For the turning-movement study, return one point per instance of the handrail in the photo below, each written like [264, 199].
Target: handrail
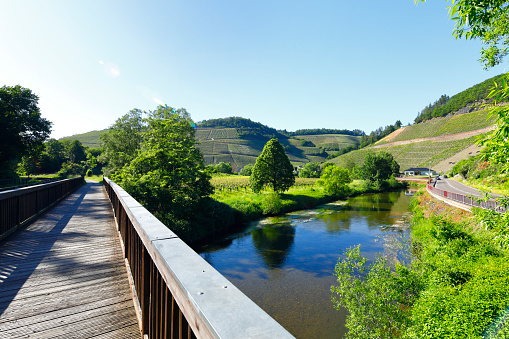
[20, 206]
[178, 293]
[466, 200]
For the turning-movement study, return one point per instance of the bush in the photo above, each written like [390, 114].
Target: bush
[335, 181]
[246, 170]
[246, 210]
[271, 204]
[71, 169]
[89, 173]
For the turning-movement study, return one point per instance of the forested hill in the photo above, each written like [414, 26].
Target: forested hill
[464, 102]
[246, 128]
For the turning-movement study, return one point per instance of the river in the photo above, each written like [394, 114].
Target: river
[285, 264]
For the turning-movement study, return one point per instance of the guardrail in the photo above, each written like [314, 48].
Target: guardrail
[20, 206]
[466, 200]
[177, 293]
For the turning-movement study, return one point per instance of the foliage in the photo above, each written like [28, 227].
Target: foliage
[27, 166]
[376, 297]
[70, 169]
[456, 285]
[271, 204]
[53, 157]
[486, 21]
[23, 130]
[246, 170]
[497, 142]
[75, 152]
[272, 168]
[122, 141]
[167, 174]
[310, 170]
[335, 181]
[379, 167]
[307, 143]
[224, 168]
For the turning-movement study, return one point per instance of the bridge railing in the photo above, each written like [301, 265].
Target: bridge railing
[466, 200]
[20, 206]
[178, 294]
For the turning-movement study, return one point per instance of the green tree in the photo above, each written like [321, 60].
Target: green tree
[168, 174]
[378, 167]
[122, 141]
[22, 129]
[335, 180]
[223, 167]
[56, 156]
[75, 151]
[272, 168]
[310, 170]
[246, 170]
[27, 166]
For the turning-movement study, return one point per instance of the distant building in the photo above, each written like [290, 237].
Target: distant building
[418, 171]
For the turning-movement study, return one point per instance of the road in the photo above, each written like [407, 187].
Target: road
[457, 187]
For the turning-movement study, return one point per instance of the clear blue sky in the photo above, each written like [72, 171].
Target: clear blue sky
[287, 64]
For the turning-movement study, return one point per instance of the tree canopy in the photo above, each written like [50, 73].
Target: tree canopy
[167, 174]
[122, 141]
[310, 170]
[335, 180]
[23, 130]
[272, 168]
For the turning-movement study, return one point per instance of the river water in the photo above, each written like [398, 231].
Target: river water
[286, 264]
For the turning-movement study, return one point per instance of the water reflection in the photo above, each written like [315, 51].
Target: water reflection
[273, 244]
[285, 264]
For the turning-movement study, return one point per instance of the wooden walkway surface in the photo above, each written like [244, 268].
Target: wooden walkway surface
[64, 275]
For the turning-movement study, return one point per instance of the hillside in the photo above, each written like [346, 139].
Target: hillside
[441, 142]
[464, 102]
[239, 141]
[90, 139]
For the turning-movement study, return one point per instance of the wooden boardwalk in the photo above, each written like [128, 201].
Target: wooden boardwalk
[64, 275]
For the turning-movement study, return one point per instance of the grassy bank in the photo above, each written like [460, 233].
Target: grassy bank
[234, 204]
[464, 270]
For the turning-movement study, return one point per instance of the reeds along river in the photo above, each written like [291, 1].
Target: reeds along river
[285, 264]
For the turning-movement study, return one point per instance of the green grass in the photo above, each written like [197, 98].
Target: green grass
[96, 178]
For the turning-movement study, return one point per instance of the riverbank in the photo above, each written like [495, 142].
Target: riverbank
[230, 209]
[285, 263]
[464, 273]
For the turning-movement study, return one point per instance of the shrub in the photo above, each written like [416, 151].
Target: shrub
[271, 204]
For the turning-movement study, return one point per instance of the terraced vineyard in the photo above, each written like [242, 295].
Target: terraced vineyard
[419, 154]
[443, 126]
[330, 141]
[225, 145]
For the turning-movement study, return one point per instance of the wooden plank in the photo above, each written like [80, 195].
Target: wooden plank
[64, 275]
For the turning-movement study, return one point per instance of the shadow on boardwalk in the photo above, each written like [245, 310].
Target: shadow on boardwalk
[64, 274]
